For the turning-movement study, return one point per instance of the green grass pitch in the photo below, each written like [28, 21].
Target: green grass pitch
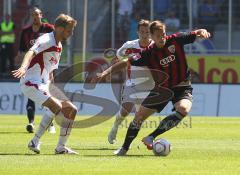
[202, 145]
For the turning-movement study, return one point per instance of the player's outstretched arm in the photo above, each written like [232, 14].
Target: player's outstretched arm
[202, 33]
[26, 61]
[114, 68]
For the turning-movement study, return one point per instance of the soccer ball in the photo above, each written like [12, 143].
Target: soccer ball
[161, 147]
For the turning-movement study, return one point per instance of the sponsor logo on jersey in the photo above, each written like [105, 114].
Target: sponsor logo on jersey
[32, 42]
[171, 49]
[165, 61]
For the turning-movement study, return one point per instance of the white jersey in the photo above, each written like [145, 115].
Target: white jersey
[47, 57]
[136, 74]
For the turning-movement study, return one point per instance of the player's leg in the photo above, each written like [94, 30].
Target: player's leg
[127, 104]
[134, 128]
[182, 104]
[53, 107]
[65, 119]
[46, 121]
[30, 115]
[126, 108]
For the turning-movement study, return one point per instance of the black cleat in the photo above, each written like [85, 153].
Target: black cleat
[30, 128]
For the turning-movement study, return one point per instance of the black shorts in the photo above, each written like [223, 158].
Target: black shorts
[159, 98]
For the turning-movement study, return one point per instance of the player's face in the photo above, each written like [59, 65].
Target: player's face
[67, 32]
[143, 33]
[159, 37]
[36, 16]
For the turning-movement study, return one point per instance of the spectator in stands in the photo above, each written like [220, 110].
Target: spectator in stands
[124, 12]
[208, 14]
[134, 25]
[172, 22]
[161, 8]
[7, 40]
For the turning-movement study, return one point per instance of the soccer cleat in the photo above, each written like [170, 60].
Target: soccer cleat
[51, 129]
[34, 146]
[148, 141]
[112, 135]
[30, 128]
[120, 152]
[64, 150]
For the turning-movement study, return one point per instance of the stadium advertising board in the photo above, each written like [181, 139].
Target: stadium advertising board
[209, 100]
[215, 69]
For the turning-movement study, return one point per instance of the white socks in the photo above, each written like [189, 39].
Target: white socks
[45, 123]
[65, 128]
[118, 120]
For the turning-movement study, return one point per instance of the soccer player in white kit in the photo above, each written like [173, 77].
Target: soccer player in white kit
[36, 72]
[139, 79]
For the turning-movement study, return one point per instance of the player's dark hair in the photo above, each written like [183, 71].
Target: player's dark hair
[157, 25]
[143, 22]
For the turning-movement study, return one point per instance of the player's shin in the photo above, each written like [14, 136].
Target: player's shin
[46, 121]
[167, 123]
[118, 120]
[132, 133]
[65, 128]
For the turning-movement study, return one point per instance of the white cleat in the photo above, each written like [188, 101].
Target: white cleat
[112, 135]
[120, 152]
[52, 129]
[64, 150]
[34, 146]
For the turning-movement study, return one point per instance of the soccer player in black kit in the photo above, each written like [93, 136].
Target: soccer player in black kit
[167, 61]
[28, 36]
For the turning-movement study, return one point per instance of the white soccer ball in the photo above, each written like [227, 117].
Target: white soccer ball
[161, 147]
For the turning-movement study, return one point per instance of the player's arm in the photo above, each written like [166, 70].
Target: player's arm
[114, 68]
[26, 61]
[135, 60]
[189, 37]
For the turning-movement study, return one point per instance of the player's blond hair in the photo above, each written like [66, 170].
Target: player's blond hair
[157, 25]
[63, 20]
[143, 22]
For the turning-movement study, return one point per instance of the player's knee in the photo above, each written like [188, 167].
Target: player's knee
[139, 118]
[55, 109]
[183, 110]
[124, 113]
[69, 110]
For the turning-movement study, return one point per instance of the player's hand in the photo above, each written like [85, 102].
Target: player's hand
[203, 33]
[114, 60]
[97, 78]
[19, 72]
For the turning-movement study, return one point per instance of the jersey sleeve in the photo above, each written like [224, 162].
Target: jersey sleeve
[121, 52]
[184, 38]
[140, 59]
[40, 45]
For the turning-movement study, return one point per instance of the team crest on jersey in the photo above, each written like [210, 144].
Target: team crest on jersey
[171, 49]
[53, 61]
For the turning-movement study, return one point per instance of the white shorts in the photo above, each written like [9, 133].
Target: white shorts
[39, 93]
[133, 95]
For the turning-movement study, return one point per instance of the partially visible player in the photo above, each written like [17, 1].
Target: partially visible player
[167, 61]
[139, 79]
[28, 37]
[36, 71]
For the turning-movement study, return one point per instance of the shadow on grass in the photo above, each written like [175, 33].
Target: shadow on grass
[95, 149]
[135, 156]
[14, 132]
